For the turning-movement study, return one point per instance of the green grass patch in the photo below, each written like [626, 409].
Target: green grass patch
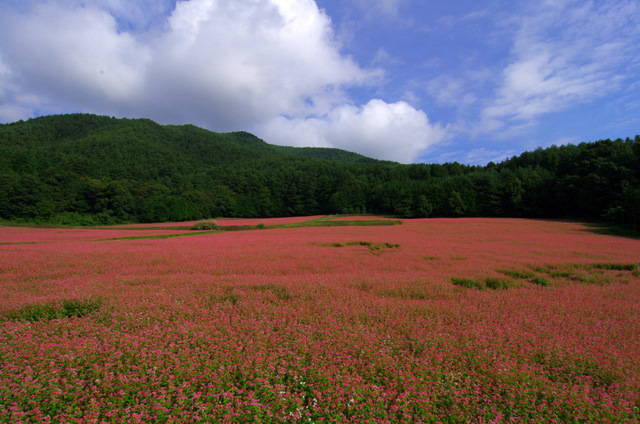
[373, 247]
[498, 284]
[359, 243]
[614, 266]
[602, 273]
[66, 308]
[541, 281]
[560, 274]
[260, 226]
[541, 269]
[594, 273]
[165, 228]
[468, 283]
[589, 279]
[517, 273]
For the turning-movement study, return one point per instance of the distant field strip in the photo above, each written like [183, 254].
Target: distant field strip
[323, 222]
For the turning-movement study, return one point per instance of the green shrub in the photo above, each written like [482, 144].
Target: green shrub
[205, 226]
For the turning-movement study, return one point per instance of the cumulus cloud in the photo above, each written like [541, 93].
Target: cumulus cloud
[74, 56]
[378, 129]
[565, 53]
[222, 64]
[230, 63]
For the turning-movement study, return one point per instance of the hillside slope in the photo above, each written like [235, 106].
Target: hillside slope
[98, 146]
[89, 169]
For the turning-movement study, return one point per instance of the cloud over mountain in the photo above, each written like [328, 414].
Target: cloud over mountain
[221, 64]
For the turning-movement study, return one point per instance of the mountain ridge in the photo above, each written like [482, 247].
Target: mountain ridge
[91, 169]
[78, 126]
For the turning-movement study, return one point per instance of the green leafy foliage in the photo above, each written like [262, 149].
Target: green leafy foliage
[82, 169]
[204, 226]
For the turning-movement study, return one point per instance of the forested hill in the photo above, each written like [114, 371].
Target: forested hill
[88, 169]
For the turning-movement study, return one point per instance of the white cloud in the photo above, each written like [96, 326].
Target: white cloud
[72, 55]
[565, 53]
[230, 63]
[395, 131]
[221, 64]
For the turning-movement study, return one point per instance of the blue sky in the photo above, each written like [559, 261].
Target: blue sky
[403, 80]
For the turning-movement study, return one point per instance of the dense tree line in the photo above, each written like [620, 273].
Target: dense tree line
[88, 169]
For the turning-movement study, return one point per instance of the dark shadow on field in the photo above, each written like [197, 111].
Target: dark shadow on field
[612, 230]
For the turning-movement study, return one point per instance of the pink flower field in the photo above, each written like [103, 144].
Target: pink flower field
[430, 321]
